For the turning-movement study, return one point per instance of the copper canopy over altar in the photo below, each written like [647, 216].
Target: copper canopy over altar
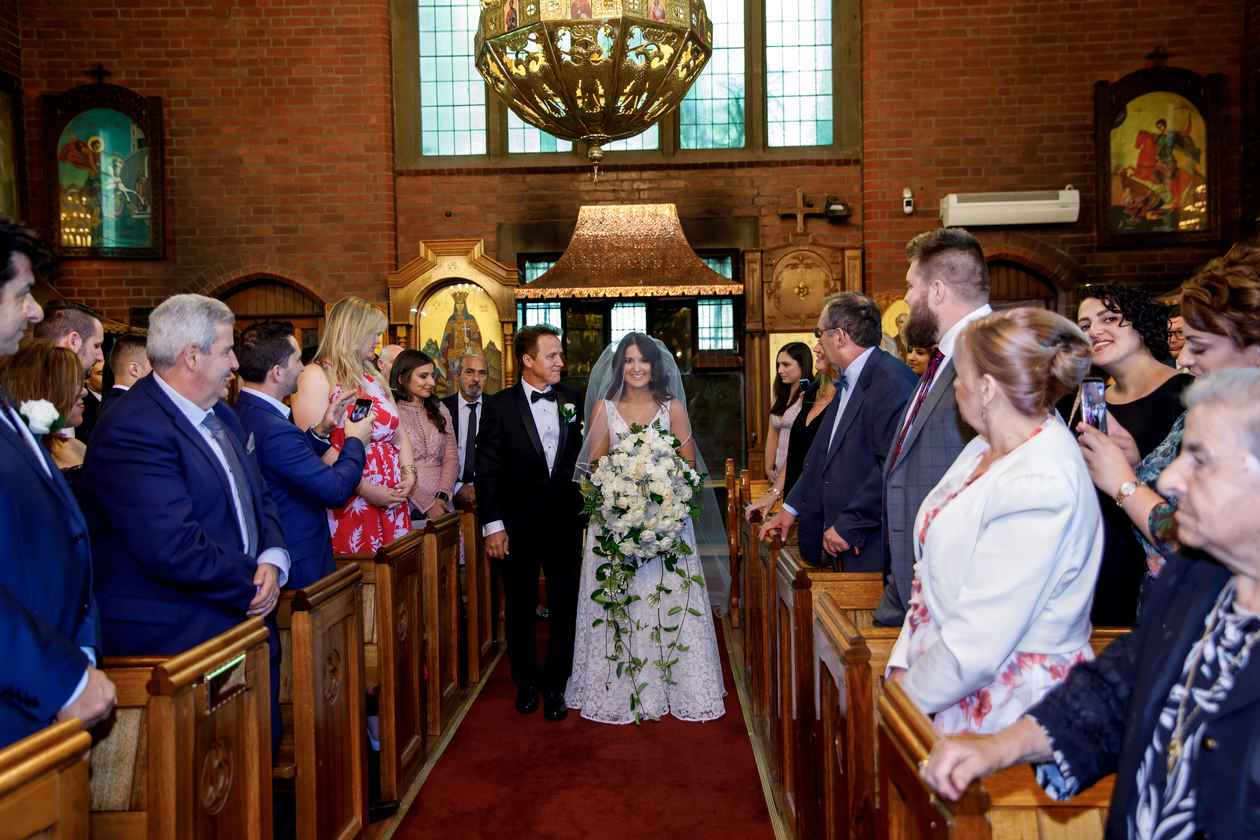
[626, 251]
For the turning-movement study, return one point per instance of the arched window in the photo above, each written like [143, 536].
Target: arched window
[266, 297]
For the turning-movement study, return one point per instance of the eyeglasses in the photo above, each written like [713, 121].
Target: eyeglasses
[820, 333]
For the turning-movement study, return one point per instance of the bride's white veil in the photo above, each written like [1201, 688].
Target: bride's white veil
[606, 384]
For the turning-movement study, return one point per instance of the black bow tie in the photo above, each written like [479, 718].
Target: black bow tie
[542, 395]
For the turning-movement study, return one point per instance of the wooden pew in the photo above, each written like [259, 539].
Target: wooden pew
[797, 586]
[440, 592]
[393, 642]
[1008, 804]
[44, 790]
[480, 597]
[734, 514]
[323, 750]
[187, 753]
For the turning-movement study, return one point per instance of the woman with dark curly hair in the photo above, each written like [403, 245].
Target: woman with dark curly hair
[1128, 335]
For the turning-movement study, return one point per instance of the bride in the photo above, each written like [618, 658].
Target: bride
[636, 383]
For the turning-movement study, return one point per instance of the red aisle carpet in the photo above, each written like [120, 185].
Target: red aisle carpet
[512, 776]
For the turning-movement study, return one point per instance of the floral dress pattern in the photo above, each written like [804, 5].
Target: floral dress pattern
[1022, 680]
[360, 527]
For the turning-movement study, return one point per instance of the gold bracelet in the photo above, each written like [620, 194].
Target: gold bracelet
[407, 468]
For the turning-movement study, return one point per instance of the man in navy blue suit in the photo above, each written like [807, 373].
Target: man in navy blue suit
[302, 486]
[839, 496]
[48, 624]
[185, 538]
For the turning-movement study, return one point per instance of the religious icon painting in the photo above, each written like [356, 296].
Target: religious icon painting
[511, 15]
[104, 147]
[555, 9]
[1158, 139]
[580, 9]
[606, 8]
[12, 183]
[456, 320]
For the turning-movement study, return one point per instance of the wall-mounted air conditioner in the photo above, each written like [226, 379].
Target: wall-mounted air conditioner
[1039, 207]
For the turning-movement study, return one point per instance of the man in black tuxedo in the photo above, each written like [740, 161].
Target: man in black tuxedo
[465, 406]
[531, 510]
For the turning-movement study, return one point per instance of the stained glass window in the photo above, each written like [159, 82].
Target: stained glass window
[523, 137]
[529, 313]
[722, 265]
[717, 324]
[627, 318]
[798, 72]
[645, 142]
[452, 94]
[712, 114]
[532, 269]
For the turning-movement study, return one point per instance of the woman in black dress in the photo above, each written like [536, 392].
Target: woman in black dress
[815, 401]
[1128, 333]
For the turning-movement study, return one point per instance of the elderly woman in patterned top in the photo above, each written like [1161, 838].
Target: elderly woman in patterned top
[1174, 708]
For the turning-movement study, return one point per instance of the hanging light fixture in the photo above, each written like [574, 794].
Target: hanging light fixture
[592, 70]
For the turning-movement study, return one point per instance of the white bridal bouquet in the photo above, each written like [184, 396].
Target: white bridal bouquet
[640, 497]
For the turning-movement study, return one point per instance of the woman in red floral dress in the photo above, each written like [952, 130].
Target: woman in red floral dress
[378, 514]
[1008, 544]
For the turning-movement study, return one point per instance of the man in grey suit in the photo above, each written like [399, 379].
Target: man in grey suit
[947, 287]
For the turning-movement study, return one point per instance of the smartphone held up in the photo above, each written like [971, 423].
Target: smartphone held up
[1094, 403]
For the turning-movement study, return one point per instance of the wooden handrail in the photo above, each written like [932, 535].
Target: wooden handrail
[309, 597]
[36, 754]
[184, 669]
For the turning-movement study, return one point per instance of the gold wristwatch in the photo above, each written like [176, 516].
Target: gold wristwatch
[1126, 490]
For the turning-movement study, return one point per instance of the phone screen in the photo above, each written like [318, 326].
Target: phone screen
[1094, 403]
[361, 408]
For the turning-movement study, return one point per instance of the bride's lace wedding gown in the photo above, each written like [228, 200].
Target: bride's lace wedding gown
[594, 687]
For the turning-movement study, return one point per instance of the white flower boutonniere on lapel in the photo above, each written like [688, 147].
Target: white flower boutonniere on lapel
[41, 416]
[569, 412]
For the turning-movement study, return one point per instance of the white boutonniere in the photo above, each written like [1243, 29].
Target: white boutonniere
[41, 416]
[569, 412]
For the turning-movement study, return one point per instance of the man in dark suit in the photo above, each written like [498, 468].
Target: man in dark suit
[527, 448]
[48, 623]
[186, 541]
[947, 287]
[301, 485]
[91, 401]
[465, 408]
[839, 496]
[129, 363]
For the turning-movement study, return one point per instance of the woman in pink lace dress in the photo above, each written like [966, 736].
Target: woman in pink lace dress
[1009, 542]
[427, 424]
[377, 515]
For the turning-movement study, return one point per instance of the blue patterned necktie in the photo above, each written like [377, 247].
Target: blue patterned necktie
[239, 476]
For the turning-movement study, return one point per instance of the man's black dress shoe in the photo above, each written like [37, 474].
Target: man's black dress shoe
[553, 706]
[526, 699]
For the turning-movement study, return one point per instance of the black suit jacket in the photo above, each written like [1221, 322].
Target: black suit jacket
[110, 398]
[91, 411]
[455, 405]
[513, 483]
[842, 485]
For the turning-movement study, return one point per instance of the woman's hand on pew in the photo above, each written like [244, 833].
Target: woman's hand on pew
[95, 703]
[955, 763]
[896, 675]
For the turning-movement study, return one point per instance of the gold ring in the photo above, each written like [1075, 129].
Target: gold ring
[922, 765]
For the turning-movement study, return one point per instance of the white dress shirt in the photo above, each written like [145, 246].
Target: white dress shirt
[195, 414]
[462, 438]
[547, 422]
[270, 400]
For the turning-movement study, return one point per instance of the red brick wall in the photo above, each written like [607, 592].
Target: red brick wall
[970, 97]
[279, 137]
[478, 202]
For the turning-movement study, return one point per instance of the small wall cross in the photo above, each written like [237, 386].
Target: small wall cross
[802, 210]
[99, 73]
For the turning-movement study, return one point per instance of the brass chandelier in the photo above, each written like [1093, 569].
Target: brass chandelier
[592, 70]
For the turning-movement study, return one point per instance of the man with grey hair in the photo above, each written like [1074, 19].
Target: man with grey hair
[465, 407]
[839, 496]
[947, 287]
[386, 361]
[186, 541]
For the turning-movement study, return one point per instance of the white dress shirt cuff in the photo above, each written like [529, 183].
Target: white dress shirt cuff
[78, 689]
[90, 654]
[279, 558]
[791, 510]
[456, 488]
[492, 527]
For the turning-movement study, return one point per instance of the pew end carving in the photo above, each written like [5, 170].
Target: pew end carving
[440, 609]
[188, 751]
[44, 789]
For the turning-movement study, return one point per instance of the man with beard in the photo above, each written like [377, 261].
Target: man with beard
[947, 287]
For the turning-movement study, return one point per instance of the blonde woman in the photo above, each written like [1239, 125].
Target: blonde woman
[378, 513]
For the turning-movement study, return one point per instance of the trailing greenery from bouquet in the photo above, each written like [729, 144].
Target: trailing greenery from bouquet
[640, 497]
